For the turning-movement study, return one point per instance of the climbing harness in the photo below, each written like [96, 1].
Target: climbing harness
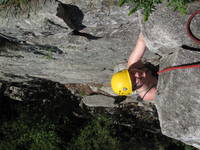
[189, 32]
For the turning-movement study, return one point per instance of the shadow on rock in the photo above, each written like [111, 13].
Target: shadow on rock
[46, 98]
[189, 48]
[88, 36]
[71, 15]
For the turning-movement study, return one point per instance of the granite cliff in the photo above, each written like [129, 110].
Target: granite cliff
[47, 44]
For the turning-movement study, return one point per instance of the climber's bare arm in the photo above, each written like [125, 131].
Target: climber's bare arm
[138, 51]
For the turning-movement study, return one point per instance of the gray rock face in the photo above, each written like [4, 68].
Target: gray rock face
[99, 101]
[178, 98]
[41, 46]
[71, 15]
[165, 30]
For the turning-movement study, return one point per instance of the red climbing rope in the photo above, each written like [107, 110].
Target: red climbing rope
[178, 67]
[195, 39]
[189, 32]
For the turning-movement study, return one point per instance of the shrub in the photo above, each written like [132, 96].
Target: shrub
[19, 134]
[17, 7]
[148, 6]
[97, 135]
[14, 3]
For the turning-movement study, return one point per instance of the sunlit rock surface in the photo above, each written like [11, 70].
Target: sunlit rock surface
[178, 98]
[165, 29]
[43, 46]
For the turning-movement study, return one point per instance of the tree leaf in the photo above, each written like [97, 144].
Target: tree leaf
[134, 9]
[121, 2]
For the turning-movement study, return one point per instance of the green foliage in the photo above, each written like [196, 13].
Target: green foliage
[3, 1]
[97, 135]
[187, 147]
[181, 145]
[148, 6]
[14, 3]
[180, 5]
[16, 7]
[82, 93]
[49, 55]
[33, 126]
[49, 125]
[25, 135]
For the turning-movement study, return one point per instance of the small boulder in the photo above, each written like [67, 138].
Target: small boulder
[99, 101]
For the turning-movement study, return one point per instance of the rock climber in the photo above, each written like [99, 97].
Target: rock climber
[137, 78]
[168, 34]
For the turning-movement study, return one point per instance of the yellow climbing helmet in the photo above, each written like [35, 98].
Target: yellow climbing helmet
[121, 83]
